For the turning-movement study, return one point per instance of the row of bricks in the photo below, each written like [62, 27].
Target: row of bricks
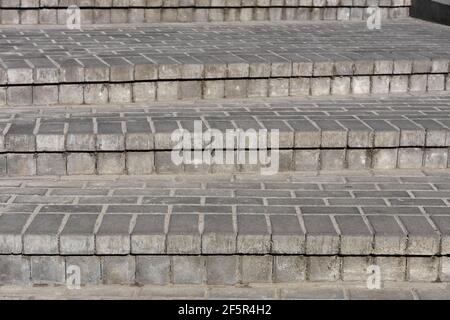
[160, 162]
[217, 270]
[198, 3]
[138, 133]
[219, 89]
[106, 15]
[119, 234]
[138, 68]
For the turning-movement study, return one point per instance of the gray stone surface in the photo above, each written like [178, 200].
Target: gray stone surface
[384, 213]
[425, 125]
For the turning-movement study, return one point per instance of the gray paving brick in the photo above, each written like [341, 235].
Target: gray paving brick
[188, 269]
[253, 234]
[389, 237]
[287, 235]
[443, 224]
[118, 269]
[256, 269]
[148, 235]
[356, 237]
[422, 238]
[48, 270]
[77, 236]
[222, 270]
[41, 236]
[219, 236]
[15, 270]
[11, 227]
[113, 235]
[184, 235]
[321, 235]
[153, 270]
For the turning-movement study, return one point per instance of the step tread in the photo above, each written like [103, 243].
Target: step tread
[117, 54]
[302, 291]
[303, 123]
[363, 213]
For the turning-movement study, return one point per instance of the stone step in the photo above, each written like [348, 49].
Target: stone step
[295, 134]
[52, 12]
[271, 291]
[191, 62]
[226, 229]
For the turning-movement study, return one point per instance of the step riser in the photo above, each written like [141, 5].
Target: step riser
[53, 16]
[160, 162]
[216, 270]
[191, 90]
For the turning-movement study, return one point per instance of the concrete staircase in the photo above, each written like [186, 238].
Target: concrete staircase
[89, 187]
[32, 12]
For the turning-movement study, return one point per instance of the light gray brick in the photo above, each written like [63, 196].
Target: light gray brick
[153, 270]
[256, 269]
[51, 164]
[14, 270]
[71, 94]
[389, 238]
[219, 236]
[287, 235]
[356, 238]
[321, 236]
[436, 158]
[167, 90]
[113, 236]
[11, 226]
[41, 236]
[77, 237]
[325, 268]
[384, 158]
[253, 234]
[392, 268]
[422, 239]
[222, 270]
[148, 236]
[80, 163]
[140, 162]
[290, 269]
[332, 159]
[45, 95]
[110, 163]
[118, 269]
[423, 269]
[320, 86]
[21, 164]
[184, 236]
[20, 96]
[96, 93]
[410, 158]
[436, 82]
[48, 270]
[354, 268]
[188, 269]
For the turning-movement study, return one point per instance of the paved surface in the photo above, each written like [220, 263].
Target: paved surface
[339, 291]
[104, 47]
[395, 121]
[349, 209]
[191, 3]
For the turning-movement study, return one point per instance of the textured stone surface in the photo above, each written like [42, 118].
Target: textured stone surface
[384, 213]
